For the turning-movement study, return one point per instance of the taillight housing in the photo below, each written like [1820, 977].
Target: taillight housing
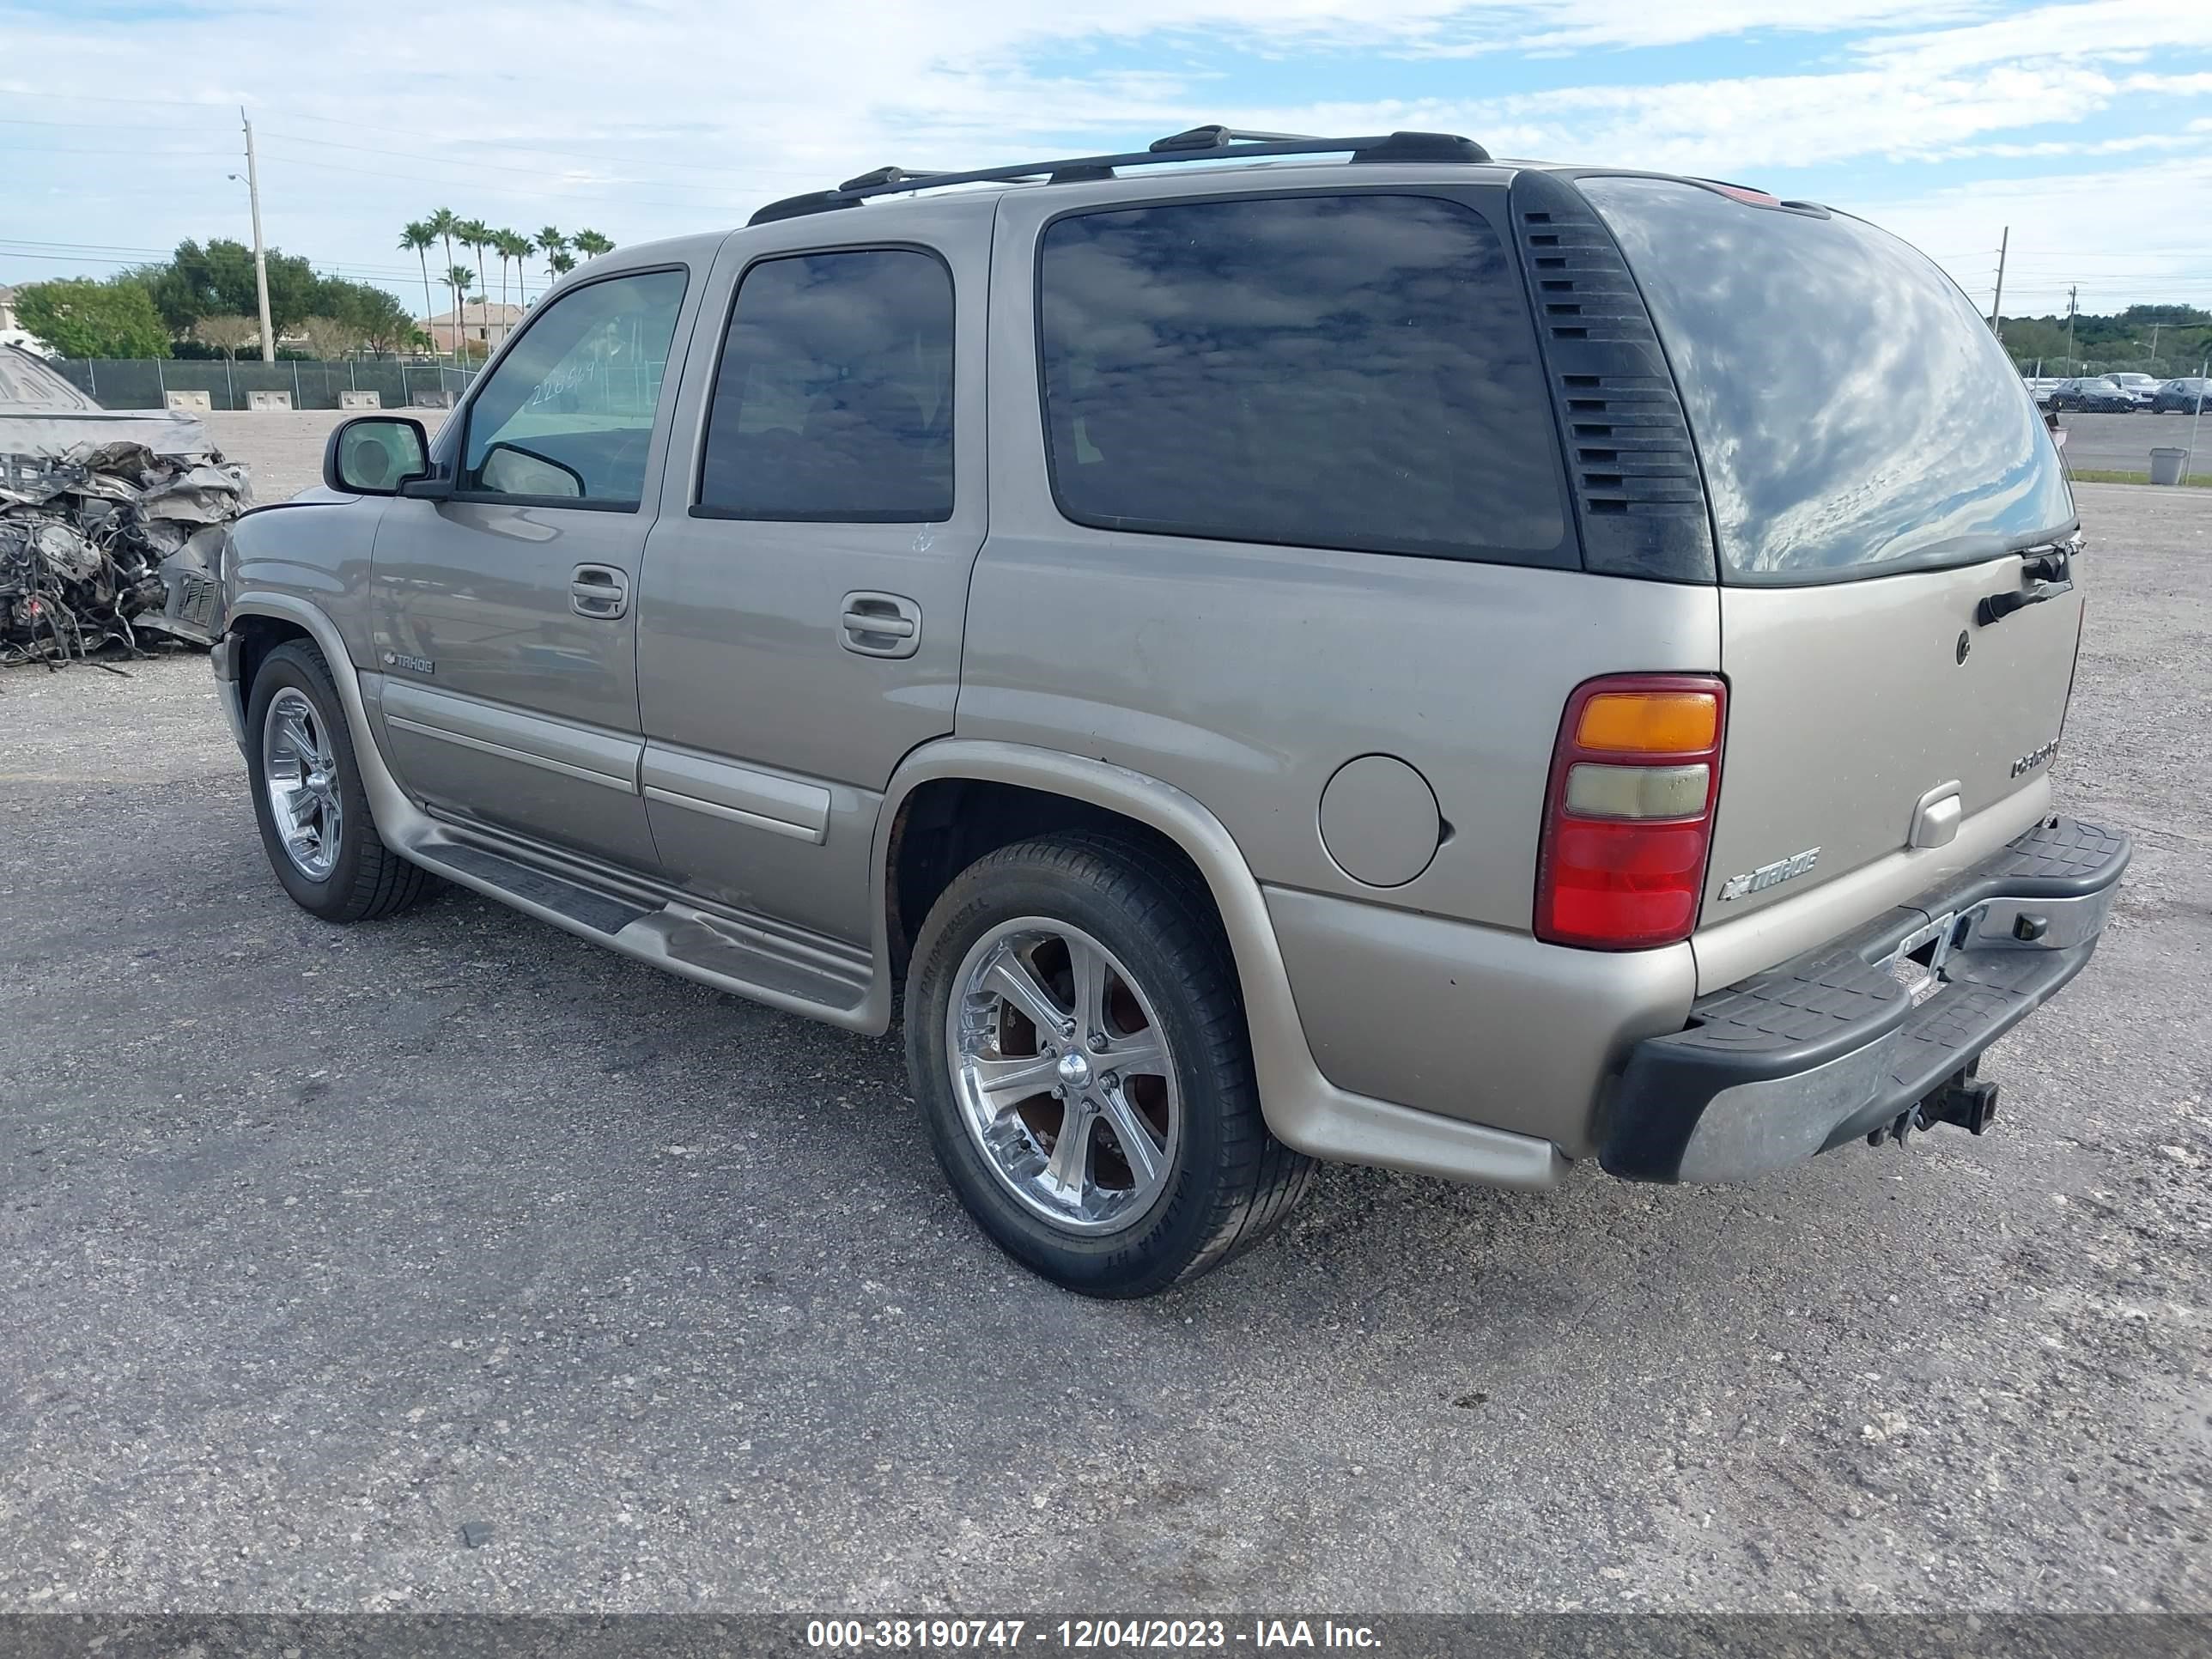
[1628, 814]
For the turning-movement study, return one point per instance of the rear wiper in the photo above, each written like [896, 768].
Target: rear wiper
[2048, 572]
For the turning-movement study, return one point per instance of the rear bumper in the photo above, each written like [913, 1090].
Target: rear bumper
[1832, 1045]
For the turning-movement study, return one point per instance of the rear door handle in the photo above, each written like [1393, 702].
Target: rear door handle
[879, 624]
[600, 591]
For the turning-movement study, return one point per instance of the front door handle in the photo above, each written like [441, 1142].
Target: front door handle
[600, 591]
[879, 624]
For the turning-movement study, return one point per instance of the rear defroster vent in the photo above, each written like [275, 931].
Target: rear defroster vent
[1637, 489]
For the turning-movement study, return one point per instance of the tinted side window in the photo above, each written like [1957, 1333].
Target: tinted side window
[1855, 415]
[1332, 371]
[568, 414]
[834, 402]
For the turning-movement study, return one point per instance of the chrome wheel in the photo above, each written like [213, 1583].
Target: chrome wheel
[298, 769]
[1063, 1075]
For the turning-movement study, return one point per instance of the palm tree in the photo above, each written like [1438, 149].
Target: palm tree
[559, 264]
[443, 225]
[460, 279]
[492, 241]
[417, 239]
[513, 245]
[475, 234]
[550, 241]
[591, 244]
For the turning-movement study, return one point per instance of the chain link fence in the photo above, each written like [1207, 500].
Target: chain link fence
[146, 382]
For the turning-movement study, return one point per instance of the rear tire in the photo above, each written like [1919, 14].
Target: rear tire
[314, 820]
[1155, 1047]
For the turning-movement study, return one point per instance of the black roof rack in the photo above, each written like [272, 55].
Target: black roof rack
[1208, 144]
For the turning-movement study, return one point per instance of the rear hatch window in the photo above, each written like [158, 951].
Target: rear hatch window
[1854, 416]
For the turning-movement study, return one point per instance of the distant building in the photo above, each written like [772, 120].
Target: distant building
[484, 323]
[10, 334]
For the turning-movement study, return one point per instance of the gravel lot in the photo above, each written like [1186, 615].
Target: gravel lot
[318, 1243]
[284, 446]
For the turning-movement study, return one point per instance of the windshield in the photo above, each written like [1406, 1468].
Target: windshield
[1853, 413]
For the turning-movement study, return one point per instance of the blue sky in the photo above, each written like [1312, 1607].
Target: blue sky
[2085, 127]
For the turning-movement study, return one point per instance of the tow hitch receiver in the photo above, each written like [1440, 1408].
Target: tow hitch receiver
[1964, 1099]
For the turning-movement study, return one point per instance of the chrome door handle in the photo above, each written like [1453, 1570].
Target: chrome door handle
[598, 592]
[880, 624]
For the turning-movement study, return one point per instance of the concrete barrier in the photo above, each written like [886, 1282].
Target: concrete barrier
[2166, 465]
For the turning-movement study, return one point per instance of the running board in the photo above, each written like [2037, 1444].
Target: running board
[586, 906]
[754, 957]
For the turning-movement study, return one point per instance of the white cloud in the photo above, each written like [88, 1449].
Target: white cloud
[2119, 236]
[2102, 28]
[650, 119]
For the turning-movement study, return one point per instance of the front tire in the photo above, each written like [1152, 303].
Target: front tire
[1077, 1043]
[308, 798]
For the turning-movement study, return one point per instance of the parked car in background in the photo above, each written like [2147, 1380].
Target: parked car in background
[2181, 396]
[2138, 387]
[2039, 387]
[1340, 659]
[2098, 394]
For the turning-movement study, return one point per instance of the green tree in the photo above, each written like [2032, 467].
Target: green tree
[417, 238]
[552, 244]
[374, 311]
[476, 234]
[217, 280]
[513, 245]
[85, 318]
[591, 244]
[443, 225]
[332, 337]
[460, 279]
[560, 262]
[229, 335]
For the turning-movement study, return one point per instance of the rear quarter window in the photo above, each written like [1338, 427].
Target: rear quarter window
[1853, 414]
[1353, 371]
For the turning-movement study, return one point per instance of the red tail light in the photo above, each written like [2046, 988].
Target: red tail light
[1628, 816]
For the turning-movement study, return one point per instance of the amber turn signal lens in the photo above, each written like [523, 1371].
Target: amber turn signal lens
[1649, 723]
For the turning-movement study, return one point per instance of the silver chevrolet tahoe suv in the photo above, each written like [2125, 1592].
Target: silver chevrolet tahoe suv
[1358, 652]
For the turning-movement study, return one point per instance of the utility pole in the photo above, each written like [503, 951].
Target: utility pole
[2153, 339]
[2070, 294]
[2195, 419]
[1997, 305]
[260, 255]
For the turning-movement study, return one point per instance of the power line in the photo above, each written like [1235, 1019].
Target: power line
[522, 146]
[541, 149]
[549, 194]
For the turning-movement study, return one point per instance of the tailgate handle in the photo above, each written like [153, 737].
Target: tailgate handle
[2053, 570]
[1996, 607]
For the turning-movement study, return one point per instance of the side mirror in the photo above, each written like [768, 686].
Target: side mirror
[511, 470]
[375, 455]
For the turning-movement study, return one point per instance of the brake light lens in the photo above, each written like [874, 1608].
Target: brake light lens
[1628, 816]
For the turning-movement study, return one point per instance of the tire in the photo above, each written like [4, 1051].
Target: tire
[359, 878]
[1218, 1182]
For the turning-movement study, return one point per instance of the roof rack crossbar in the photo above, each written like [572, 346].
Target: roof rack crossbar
[1198, 144]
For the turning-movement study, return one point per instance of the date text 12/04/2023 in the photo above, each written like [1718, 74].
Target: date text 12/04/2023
[1085, 1635]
